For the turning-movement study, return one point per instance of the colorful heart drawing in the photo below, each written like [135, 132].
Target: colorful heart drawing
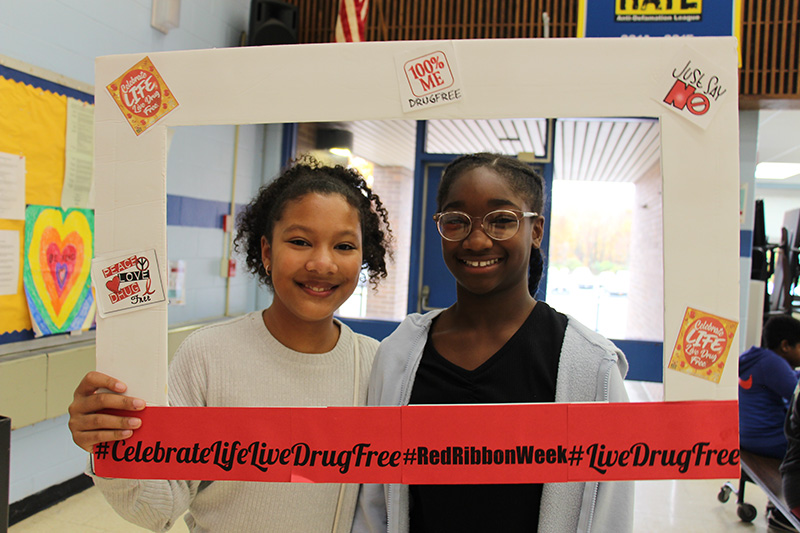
[58, 260]
[58, 255]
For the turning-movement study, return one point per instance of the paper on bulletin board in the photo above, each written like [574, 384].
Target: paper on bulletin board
[12, 186]
[79, 155]
[9, 262]
[14, 315]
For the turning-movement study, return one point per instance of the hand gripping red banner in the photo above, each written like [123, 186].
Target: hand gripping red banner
[516, 443]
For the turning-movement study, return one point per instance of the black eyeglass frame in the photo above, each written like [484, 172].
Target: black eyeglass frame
[518, 215]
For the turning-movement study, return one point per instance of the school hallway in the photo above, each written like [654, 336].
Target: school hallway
[643, 169]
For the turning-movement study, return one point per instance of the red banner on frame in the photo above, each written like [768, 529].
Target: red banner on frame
[517, 443]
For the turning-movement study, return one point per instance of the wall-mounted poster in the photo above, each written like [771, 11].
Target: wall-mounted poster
[58, 256]
[176, 282]
[653, 18]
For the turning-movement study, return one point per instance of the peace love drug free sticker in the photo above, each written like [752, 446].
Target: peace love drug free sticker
[127, 282]
[142, 95]
[702, 346]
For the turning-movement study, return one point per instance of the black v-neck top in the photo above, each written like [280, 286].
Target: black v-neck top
[523, 370]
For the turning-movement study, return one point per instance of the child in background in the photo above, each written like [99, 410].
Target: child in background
[495, 344]
[790, 467]
[307, 236]
[767, 378]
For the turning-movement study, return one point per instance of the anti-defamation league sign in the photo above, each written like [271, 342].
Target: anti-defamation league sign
[658, 18]
[515, 443]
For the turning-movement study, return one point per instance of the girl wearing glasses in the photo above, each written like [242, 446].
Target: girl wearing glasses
[495, 344]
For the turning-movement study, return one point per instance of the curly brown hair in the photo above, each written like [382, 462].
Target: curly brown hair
[302, 177]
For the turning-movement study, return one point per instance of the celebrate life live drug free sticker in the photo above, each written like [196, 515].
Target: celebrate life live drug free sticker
[428, 78]
[702, 346]
[127, 282]
[142, 95]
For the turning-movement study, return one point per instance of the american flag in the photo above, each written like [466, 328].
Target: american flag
[350, 21]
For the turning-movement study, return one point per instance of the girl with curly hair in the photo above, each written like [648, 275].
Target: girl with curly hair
[307, 236]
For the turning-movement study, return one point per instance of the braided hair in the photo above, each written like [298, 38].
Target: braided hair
[306, 176]
[522, 179]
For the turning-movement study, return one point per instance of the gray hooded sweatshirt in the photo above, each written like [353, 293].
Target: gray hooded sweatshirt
[590, 369]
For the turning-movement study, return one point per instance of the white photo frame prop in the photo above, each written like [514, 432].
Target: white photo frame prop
[498, 79]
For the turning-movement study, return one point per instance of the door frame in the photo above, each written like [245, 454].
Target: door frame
[422, 161]
[644, 357]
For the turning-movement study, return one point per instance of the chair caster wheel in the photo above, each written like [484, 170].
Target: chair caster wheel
[746, 512]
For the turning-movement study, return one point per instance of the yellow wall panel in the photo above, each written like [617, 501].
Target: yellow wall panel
[65, 370]
[33, 123]
[40, 387]
[22, 390]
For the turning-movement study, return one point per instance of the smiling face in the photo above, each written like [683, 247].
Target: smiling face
[315, 256]
[483, 266]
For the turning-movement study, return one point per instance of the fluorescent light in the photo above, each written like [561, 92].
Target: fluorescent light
[343, 152]
[776, 171]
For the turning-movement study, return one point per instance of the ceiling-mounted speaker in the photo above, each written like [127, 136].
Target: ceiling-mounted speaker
[272, 22]
[328, 138]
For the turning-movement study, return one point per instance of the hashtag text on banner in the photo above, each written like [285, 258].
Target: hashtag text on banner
[520, 443]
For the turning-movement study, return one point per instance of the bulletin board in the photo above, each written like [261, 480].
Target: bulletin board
[33, 127]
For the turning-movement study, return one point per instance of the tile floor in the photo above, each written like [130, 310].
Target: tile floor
[661, 506]
[86, 512]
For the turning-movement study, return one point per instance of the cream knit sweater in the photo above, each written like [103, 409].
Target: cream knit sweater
[238, 363]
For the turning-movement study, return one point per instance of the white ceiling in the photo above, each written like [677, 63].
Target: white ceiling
[506, 136]
[585, 149]
[779, 140]
[779, 136]
[618, 150]
[389, 143]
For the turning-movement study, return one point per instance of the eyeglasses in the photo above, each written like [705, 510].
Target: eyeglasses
[499, 225]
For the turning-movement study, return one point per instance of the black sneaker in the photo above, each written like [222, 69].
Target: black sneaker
[776, 521]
